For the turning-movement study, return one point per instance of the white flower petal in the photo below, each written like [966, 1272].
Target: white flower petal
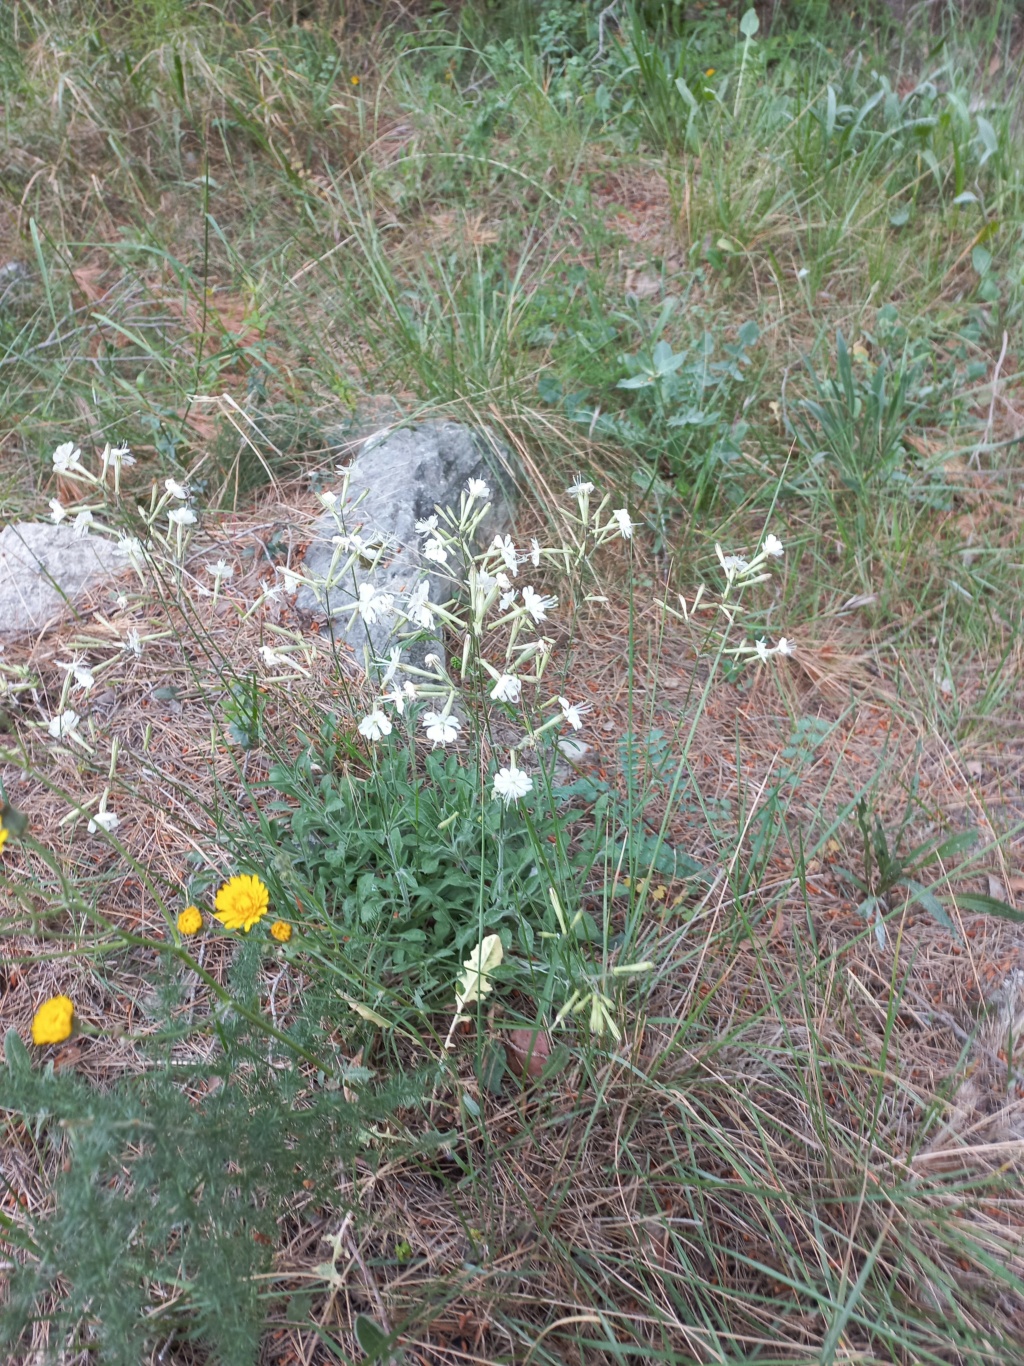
[63, 724]
[624, 521]
[507, 689]
[511, 783]
[443, 730]
[375, 726]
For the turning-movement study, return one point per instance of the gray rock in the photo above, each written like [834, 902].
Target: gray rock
[398, 478]
[44, 569]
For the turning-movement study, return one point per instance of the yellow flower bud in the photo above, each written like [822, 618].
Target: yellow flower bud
[190, 921]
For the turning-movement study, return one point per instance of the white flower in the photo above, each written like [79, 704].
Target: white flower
[67, 458]
[63, 724]
[373, 605]
[506, 549]
[122, 601]
[350, 544]
[375, 726]
[221, 570]
[103, 820]
[132, 644]
[82, 523]
[410, 690]
[484, 582]
[435, 550]
[397, 698]
[534, 551]
[181, 517]
[763, 652]
[427, 524]
[83, 674]
[580, 488]
[418, 609]
[507, 599]
[328, 499]
[291, 580]
[536, 604]
[784, 647]
[434, 662]
[131, 548]
[511, 783]
[507, 689]
[476, 488]
[625, 524]
[116, 456]
[57, 511]
[443, 730]
[175, 489]
[573, 711]
[734, 564]
[273, 658]
[772, 546]
[392, 665]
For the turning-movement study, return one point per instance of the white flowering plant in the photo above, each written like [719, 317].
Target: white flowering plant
[464, 833]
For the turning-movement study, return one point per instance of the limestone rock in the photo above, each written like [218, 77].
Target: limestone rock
[44, 569]
[398, 478]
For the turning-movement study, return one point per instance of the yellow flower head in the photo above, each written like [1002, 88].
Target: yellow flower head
[3, 836]
[241, 902]
[281, 931]
[710, 71]
[190, 921]
[52, 1021]
[355, 80]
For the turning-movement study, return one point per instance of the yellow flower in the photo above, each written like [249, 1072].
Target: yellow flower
[710, 71]
[355, 80]
[3, 836]
[52, 1021]
[241, 902]
[190, 921]
[281, 931]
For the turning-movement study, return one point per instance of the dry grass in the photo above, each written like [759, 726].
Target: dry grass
[792, 1105]
[581, 1226]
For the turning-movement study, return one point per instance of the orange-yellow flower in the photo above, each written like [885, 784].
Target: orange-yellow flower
[3, 836]
[281, 931]
[53, 1020]
[241, 902]
[190, 921]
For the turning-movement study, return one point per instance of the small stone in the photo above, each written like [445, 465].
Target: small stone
[398, 478]
[45, 570]
[573, 750]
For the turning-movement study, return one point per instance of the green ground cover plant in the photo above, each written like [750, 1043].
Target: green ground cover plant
[638, 977]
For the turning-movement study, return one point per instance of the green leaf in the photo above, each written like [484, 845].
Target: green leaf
[371, 1338]
[749, 24]
[686, 92]
[988, 905]
[16, 1053]
[981, 260]
[932, 905]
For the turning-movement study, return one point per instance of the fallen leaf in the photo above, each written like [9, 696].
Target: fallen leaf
[528, 1051]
